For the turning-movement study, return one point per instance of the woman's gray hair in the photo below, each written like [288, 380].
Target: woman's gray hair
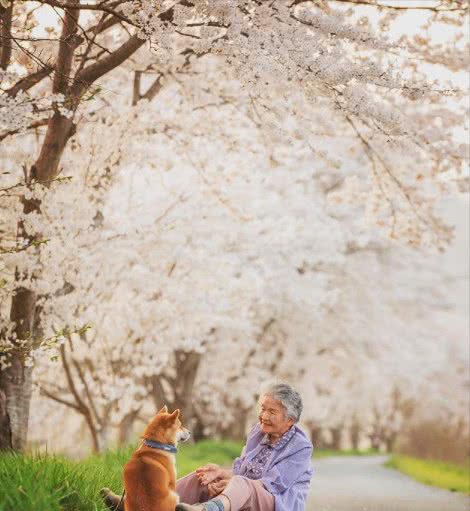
[288, 397]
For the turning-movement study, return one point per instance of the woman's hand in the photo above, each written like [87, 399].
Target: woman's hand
[208, 473]
[217, 487]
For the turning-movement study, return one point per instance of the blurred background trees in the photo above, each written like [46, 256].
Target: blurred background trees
[200, 196]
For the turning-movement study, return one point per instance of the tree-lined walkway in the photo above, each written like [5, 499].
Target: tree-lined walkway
[364, 484]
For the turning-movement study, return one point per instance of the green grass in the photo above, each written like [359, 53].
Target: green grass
[43, 483]
[53, 483]
[40, 482]
[435, 473]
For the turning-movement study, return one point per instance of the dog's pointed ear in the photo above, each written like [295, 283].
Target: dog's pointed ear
[163, 410]
[175, 415]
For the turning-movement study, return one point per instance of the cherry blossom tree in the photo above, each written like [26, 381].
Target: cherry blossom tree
[232, 334]
[302, 64]
[200, 294]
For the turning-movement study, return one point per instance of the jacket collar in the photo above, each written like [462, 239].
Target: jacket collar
[279, 444]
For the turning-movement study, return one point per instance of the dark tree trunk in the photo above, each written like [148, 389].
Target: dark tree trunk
[187, 365]
[197, 429]
[335, 439]
[182, 393]
[15, 380]
[390, 442]
[15, 398]
[125, 428]
[374, 441]
[5, 426]
[316, 437]
[237, 429]
[354, 434]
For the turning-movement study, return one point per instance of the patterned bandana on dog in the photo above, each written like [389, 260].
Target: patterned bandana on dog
[164, 447]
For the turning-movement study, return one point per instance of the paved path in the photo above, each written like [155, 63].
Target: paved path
[361, 483]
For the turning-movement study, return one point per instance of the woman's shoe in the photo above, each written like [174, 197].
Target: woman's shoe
[113, 502]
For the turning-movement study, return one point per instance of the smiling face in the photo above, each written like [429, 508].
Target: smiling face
[272, 417]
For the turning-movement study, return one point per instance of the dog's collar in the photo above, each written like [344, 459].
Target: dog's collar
[157, 445]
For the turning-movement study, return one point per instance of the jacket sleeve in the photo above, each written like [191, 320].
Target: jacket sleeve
[296, 468]
[237, 462]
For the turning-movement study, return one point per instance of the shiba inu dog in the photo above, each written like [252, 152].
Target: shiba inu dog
[150, 474]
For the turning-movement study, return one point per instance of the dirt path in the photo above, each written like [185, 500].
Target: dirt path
[363, 484]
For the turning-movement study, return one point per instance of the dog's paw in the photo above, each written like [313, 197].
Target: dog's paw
[104, 492]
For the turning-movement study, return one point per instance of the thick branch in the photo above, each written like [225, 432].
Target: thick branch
[68, 43]
[87, 391]
[59, 128]
[136, 87]
[58, 399]
[71, 384]
[6, 36]
[30, 81]
[151, 92]
[91, 73]
[33, 125]
[158, 394]
[81, 406]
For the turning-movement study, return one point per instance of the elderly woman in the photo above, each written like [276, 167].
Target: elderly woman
[273, 472]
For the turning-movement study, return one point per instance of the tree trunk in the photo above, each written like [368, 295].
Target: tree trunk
[237, 429]
[197, 429]
[374, 441]
[335, 439]
[103, 440]
[354, 434]
[316, 437]
[390, 442]
[186, 368]
[125, 428]
[15, 380]
[5, 426]
[15, 392]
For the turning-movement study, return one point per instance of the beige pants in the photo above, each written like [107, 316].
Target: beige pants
[244, 494]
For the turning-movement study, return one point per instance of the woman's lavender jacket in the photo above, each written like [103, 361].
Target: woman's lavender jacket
[287, 473]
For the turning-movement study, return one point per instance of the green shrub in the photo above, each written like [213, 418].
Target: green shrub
[435, 473]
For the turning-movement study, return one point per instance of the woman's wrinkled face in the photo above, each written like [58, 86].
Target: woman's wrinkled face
[272, 416]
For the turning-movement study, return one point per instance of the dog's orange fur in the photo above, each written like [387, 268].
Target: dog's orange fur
[150, 474]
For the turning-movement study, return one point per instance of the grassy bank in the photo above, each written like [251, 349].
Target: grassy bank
[434, 473]
[53, 483]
